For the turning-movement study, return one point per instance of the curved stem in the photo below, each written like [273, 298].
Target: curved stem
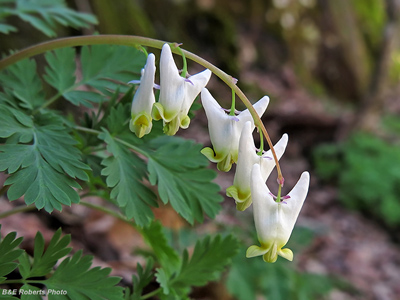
[16, 210]
[148, 42]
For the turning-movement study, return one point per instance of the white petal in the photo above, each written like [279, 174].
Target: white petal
[220, 125]
[267, 165]
[246, 159]
[275, 221]
[172, 85]
[265, 209]
[144, 96]
[193, 88]
[260, 106]
[298, 194]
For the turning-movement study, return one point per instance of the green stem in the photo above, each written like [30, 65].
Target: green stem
[151, 294]
[233, 105]
[47, 103]
[148, 42]
[184, 67]
[16, 210]
[107, 211]
[278, 196]
[97, 132]
[261, 144]
[22, 281]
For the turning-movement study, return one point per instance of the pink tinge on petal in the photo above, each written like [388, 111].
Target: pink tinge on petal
[234, 118]
[272, 195]
[286, 197]
[156, 86]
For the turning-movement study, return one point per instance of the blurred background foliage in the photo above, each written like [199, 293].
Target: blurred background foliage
[344, 55]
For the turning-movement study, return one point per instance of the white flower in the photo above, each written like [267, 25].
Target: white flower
[275, 220]
[240, 190]
[225, 130]
[142, 103]
[176, 93]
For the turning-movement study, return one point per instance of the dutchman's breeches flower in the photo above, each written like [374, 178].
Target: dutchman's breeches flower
[142, 103]
[240, 190]
[176, 93]
[225, 130]
[275, 220]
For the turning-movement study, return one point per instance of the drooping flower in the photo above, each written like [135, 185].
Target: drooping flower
[176, 93]
[240, 190]
[142, 103]
[275, 220]
[225, 130]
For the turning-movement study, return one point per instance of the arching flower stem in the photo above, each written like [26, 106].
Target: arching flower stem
[133, 41]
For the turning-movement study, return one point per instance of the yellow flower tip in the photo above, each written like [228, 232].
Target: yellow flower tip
[242, 206]
[269, 254]
[209, 153]
[254, 251]
[141, 124]
[157, 111]
[242, 198]
[224, 162]
[286, 253]
[185, 122]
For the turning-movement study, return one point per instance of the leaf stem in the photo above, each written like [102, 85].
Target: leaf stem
[16, 210]
[151, 294]
[148, 42]
[22, 281]
[125, 143]
[107, 211]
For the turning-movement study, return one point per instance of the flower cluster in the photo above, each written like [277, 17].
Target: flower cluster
[231, 135]
[176, 96]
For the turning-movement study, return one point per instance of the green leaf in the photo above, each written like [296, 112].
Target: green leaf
[60, 72]
[8, 254]
[20, 81]
[142, 279]
[45, 260]
[43, 171]
[75, 277]
[104, 68]
[7, 297]
[125, 173]
[179, 170]
[165, 254]
[100, 63]
[45, 15]
[6, 29]
[209, 258]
